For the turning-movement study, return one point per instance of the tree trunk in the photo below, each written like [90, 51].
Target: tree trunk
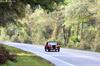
[68, 34]
[78, 26]
[65, 36]
[54, 34]
[81, 30]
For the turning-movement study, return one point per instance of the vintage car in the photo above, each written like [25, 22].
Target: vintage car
[52, 46]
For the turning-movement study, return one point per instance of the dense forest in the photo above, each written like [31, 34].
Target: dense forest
[74, 23]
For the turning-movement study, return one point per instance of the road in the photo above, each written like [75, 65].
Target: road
[66, 57]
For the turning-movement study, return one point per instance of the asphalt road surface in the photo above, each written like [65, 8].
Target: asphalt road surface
[66, 57]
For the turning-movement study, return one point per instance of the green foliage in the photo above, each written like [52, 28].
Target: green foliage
[46, 4]
[82, 17]
[10, 11]
[25, 59]
[97, 48]
[75, 23]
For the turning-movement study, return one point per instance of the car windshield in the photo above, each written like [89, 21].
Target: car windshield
[52, 43]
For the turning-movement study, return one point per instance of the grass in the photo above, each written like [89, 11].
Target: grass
[26, 59]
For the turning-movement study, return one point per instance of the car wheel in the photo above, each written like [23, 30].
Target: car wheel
[48, 50]
[58, 49]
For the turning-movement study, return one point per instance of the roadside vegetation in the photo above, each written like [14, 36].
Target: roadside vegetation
[23, 58]
[75, 23]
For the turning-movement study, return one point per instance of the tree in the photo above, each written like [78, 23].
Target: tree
[10, 11]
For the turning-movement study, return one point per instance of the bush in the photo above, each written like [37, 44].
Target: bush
[85, 45]
[2, 59]
[12, 57]
[98, 48]
[5, 55]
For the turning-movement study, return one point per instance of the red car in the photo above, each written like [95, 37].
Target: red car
[52, 45]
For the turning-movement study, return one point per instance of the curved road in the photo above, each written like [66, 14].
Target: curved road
[66, 57]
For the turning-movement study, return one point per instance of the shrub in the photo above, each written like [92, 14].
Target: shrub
[5, 55]
[98, 48]
[2, 59]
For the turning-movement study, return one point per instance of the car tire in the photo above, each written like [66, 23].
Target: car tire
[58, 49]
[45, 49]
[48, 50]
